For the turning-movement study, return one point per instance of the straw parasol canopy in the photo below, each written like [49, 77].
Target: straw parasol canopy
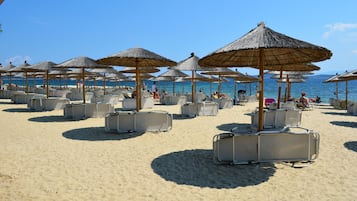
[262, 47]
[137, 57]
[45, 66]
[141, 69]
[221, 72]
[333, 79]
[82, 63]
[346, 76]
[104, 72]
[190, 64]
[22, 68]
[172, 74]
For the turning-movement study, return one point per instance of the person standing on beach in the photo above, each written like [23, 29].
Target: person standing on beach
[153, 87]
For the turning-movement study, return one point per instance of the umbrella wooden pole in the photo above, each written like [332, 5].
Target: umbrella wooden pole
[261, 92]
[183, 88]
[83, 87]
[27, 82]
[137, 80]
[47, 91]
[173, 86]
[219, 84]
[104, 83]
[193, 86]
[289, 86]
[346, 94]
[250, 89]
[279, 88]
[235, 93]
[336, 90]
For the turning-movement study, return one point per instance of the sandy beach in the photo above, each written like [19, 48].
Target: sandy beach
[45, 157]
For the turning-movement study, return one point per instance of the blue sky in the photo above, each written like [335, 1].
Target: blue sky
[57, 30]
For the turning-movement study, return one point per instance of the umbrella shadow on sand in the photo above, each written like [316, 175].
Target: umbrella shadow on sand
[97, 134]
[345, 123]
[196, 168]
[20, 110]
[52, 118]
[337, 113]
[230, 126]
[181, 117]
[351, 145]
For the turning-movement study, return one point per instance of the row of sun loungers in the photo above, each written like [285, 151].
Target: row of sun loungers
[132, 121]
[200, 109]
[88, 110]
[286, 145]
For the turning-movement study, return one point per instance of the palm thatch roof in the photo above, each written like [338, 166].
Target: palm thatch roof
[81, 62]
[277, 48]
[136, 57]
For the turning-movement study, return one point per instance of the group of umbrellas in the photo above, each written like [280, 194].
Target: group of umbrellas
[261, 48]
[345, 77]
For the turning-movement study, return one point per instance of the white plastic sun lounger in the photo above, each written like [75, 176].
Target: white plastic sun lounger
[287, 145]
[279, 118]
[88, 110]
[200, 109]
[131, 121]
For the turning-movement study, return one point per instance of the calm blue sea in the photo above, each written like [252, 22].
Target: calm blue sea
[314, 86]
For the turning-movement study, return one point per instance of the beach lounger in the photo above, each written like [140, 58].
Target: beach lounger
[224, 103]
[88, 110]
[173, 100]
[132, 121]
[278, 118]
[200, 109]
[286, 145]
[130, 103]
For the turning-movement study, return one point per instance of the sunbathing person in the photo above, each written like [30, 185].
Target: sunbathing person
[304, 101]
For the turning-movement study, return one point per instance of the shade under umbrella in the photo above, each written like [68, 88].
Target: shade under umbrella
[83, 63]
[263, 47]
[137, 57]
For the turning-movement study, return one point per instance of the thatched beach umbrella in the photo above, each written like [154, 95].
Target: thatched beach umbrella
[137, 57]
[172, 74]
[104, 72]
[1, 71]
[190, 64]
[45, 66]
[262, 47]
[345, 77]
[82, 63]
[221, 72]
[241, 78]
[294, 68]
[22, 68]
[333, 79]
[7, 69]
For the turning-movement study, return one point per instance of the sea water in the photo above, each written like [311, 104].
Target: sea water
[313, 86]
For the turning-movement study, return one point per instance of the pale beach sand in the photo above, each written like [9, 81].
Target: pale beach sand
[44, 157]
